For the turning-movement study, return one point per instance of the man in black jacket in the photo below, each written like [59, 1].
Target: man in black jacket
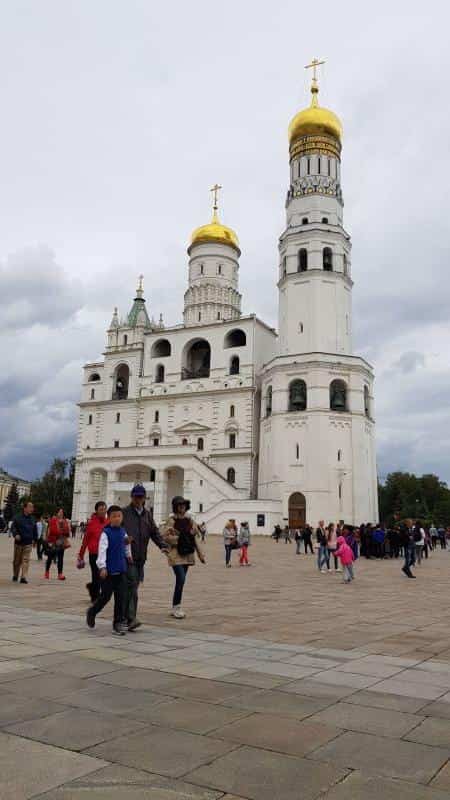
[140, 527]
[25, 537]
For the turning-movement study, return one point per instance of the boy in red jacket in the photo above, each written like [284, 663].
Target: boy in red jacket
[90, 542]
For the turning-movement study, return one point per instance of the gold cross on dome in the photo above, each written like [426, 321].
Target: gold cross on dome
[140, 286]
[313, 65]
[215, 190]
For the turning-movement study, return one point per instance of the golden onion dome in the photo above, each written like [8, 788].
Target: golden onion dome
[315, 121]
[214, 231]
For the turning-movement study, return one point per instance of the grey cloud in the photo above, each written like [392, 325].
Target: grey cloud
[409, 362]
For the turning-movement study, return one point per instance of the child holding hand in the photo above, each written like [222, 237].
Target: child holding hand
[114, 554]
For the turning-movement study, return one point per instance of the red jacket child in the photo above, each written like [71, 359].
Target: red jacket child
[92, 535]
[344, 552]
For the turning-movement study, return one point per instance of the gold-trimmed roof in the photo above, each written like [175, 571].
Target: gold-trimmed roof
[315, 120]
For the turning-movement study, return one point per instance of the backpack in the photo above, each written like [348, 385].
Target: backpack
[186, 539]
[417, 535]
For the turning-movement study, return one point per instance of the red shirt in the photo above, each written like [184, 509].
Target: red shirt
[57, 528]
[92, 535]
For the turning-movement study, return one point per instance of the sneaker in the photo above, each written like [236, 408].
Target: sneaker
[117, 630]
[228, 565]
[324, 570]
[61, 577]
[338, 570]
[15, 579]
[47, 576]
[23, 580]
[124, 626]
[134, 625]
[90, 618]
[177, 613]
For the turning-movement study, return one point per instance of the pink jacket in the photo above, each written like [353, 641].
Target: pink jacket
[344, 552]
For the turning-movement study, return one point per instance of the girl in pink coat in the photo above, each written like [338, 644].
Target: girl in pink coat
[346, 556]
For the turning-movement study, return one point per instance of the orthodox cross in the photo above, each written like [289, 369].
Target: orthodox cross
[313, 65]
[215, 190]
[140, 286]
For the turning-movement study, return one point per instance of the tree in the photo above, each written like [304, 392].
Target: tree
[12, 503]
[407, 496]
[55, 489]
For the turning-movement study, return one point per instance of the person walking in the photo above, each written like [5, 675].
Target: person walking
[345, 555]
[323, 557]
[41, 527]
[203, 531]
[57, 542]
[244, 543]
[182, 536]
[433, 536]
[407, 540]
[277, 533]
[287, 534]
[114, 554]
[24, 531]
[90, 543]
[140, 527]
[419, 539]
[229, 540]
[298, 541]
[307, 539]
[332, 545]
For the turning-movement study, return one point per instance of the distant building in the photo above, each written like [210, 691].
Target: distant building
[6, 481]
[244, 421]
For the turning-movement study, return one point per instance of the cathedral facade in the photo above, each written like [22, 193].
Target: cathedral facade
[244, 421]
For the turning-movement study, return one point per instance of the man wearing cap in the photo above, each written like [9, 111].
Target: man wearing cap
[140, 527]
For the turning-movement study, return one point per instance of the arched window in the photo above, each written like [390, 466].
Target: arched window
[308, 166]
[161, 349]
[94, 377]
[231, 475]
[234, 365]
[202, 269]
[338, 395]
[297, 452]
[90, 419]
[235, 338]
[327, 259]
[305, 221]
[121, 381]
[159, 373]
[339, 454]
[196, 360]
[200, 444]
[297, 396]
[218, 315]
[125, 339]
[345, 264]
[269, 401]
[232, 411]
[302, 260]
[366, 401]
[318, 165]
[232, 441]
[152, 476]
[324, 220]
[156, 416]
[284, 266]
[219, 269]
[92, 394]
[184, 442]
[118, 418]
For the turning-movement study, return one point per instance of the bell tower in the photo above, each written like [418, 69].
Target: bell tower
[317, 442]
[315, 286]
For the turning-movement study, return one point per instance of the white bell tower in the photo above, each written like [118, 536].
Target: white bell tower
[317, 446]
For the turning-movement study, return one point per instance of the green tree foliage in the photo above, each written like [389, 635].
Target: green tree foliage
[404, 495]
[55, 489]
[12, 503]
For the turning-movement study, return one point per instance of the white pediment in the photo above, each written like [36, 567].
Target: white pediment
[192, 427]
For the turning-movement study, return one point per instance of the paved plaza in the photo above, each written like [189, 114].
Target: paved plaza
[281, 683]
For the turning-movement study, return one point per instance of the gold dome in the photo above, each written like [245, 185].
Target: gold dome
[315, 121]
[214, 231]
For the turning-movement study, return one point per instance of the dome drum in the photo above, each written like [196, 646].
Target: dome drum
[314, 144]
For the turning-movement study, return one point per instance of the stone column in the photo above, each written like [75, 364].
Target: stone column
[160, 498]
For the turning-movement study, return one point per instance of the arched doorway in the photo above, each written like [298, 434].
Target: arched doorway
[297, 510]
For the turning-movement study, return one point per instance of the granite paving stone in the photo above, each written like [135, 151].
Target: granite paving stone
[165, 751]
[431, 731]
[104, 698]
[257, 680]
[338, 678]
[375, 699]
[75, 729]
[75, 666]
[143, 679]
[360, 787]
[409, 689]
[14, 708]
[193, 715]
[273, 701]
[29, 768]
[282, 734]
[372, 668]
[438, 708]
[264, 775]
[315, 689]
[47, 685]
[116, 776]
[442, 779]
[368, 720]
[377, 755]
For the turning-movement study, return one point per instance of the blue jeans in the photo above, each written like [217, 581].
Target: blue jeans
[323, 558]
[410, 556]
[180, 571]
[348, 572]
[228, 549]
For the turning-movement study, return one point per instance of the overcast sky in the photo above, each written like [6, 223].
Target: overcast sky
[117, 117]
